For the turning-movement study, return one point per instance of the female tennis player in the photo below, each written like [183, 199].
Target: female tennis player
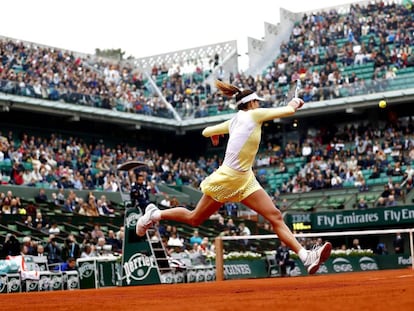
[234, 180]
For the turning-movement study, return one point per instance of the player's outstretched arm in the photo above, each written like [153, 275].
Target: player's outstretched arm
[266, 114]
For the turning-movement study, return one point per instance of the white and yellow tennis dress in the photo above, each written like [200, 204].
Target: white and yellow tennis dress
[234, 180]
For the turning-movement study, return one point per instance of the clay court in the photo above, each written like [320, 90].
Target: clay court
[379, 290]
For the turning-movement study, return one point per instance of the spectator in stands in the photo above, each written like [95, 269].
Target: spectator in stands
[283, 205]
[381, 202]
[231, 209]
[97, 232]
[355, 244]
[39, 222]
[398, 192]
[103, 208]
[41, 197]
[15, 205]
[28, 243]
[68, 207]
[61, 196]
[110, 184]
[175, 241]
[174, 202]
[54, 229]
[391, 201]
[220, 224]
[102, 248]
[6, 209]
[91, 208]
[28, 179]
[165, 202]
[88, 251]
[362, 204]
[53, 250]
[6, 200]
[29, 221]
[234, 180]
[336, 181]
[11, 246]
[363, 187]
[195, 238]
[40, 250]
[386, 192]
[70, 249]
[120, 233]
[17, 174]
[245, 231]
[113, 241]
[375, 173]
[83, 208]
[232, 226]
[68, 265]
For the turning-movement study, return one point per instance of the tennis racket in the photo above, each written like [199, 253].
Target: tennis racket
[298, 88]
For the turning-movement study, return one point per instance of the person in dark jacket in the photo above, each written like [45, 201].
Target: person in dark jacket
[139, 193]
[283, 259]
[11, 246]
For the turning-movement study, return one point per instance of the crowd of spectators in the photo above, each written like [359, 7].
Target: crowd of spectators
[323, 44]
[320, 46]
[65, 166]
[71, 164]
[61, 246]
[351, 158]
[53, 74]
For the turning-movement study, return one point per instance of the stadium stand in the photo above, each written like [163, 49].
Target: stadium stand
[336, 152]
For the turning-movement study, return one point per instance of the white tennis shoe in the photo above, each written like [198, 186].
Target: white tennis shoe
[146, 221]
[316, 257]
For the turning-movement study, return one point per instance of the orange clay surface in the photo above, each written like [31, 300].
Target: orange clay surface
[379, 290]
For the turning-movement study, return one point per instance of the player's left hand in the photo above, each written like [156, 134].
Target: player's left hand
[215, 139]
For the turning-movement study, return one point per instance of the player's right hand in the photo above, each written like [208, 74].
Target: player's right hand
[296, 103]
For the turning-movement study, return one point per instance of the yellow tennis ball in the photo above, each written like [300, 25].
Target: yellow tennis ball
[382, 104]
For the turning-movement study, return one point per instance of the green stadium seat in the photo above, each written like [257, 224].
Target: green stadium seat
[348, 184]
[28, 166]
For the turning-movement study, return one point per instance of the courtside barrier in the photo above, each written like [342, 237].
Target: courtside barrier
[219, 246]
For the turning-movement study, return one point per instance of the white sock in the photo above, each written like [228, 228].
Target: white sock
[156, 216]
[303, 254]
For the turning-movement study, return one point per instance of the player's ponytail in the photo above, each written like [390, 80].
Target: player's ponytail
[229, 90]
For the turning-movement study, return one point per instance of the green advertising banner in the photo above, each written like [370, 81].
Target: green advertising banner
[139, 266]
[245, 269]
[357, 264]
[394, 261]
[3, 283]
[87, 272]
[71, 280]
[14, 284]
[108, 271]
[373, 217]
